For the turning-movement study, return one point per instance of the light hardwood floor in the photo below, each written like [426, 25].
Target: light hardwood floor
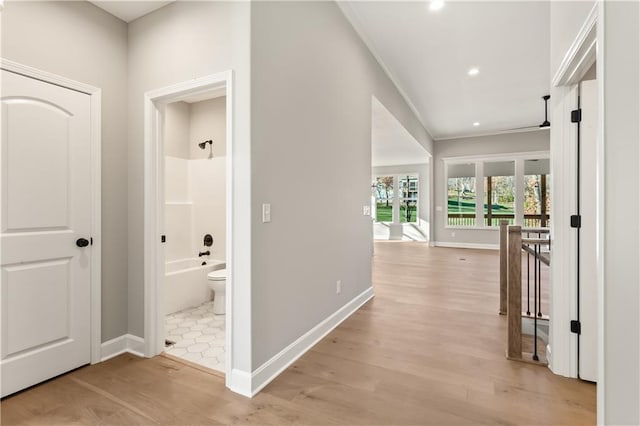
[428, 349]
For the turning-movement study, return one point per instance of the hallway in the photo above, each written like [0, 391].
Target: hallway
[428, 349]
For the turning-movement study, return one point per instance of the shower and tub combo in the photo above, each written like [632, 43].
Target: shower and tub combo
[190, 281]
[186, 282]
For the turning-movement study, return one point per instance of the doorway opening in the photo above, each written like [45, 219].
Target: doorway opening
[188, 212]
[195, 229]
[395, 208]
[400, 207]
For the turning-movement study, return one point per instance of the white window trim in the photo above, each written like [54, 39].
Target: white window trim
[529, 155]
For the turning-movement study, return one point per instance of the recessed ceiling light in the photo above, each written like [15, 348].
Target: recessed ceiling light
[473, 71]
[436, 4]
[476, 124]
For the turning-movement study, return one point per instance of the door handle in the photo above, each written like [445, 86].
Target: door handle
[82, 242]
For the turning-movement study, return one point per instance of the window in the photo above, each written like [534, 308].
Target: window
[537, 194]
[513, 189]
[384, 199]
[499, 192]
[461, 194]
[408, 198]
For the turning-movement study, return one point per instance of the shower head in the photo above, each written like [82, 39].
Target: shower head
[203, 145]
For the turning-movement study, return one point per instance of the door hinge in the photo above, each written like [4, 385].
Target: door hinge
[576, 221]
[576, 115]
[575, 327]
[163, 238]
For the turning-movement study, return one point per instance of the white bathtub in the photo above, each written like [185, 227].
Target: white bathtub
[185, 282]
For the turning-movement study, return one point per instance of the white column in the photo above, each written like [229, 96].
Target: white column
[396, 199]
[519, 183]
[480, 193]
[425, 200]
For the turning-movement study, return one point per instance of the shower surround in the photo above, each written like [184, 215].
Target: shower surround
[195, 199]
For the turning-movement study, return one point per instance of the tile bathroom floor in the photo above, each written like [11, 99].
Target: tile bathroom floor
[199, 336]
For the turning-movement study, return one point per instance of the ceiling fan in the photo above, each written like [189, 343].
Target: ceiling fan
[544, 124]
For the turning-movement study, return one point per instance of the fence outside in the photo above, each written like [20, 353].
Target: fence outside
[469, 219]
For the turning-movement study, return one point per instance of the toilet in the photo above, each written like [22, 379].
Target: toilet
[217, 283]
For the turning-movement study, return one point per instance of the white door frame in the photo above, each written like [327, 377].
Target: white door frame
[154, 103]
[95, 95]
[586, 50]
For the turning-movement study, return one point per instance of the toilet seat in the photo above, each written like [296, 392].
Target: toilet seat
[219, 275]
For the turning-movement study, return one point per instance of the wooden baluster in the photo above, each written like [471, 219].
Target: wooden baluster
[543, 201]
[489, 206]
[504, 236]
[514, 294]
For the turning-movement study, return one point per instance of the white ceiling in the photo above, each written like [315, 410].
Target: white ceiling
[391, 143]
[130, 10]
[428, 54]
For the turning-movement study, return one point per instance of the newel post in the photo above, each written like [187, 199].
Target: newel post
[504, 237]
[514, 294]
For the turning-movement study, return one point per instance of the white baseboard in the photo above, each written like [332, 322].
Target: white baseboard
[467, 245]
[268, 371]
[119, 345]
[240, 382]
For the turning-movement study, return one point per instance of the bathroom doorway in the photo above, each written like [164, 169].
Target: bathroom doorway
[195, 229]
[188, 215]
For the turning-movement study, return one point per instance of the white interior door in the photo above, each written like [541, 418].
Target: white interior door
[46, 211]
[588, 365]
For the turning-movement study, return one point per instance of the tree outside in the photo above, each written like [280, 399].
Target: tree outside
[384, 191]
[384, 185]
[461, 195]
[502, 194]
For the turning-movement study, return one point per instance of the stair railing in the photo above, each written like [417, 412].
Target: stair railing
[512, 245]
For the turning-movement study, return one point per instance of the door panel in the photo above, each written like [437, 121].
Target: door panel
[588, 245]
[46, 320]
[37, 165]
[45, 197]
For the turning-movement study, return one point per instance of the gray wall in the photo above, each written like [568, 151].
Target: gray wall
[188, 124]
[176, 43]
[312, 79]
[301, 131]
[481, 145]
[208, 121]
[621, 233]
[176, 130]
[81, 42]
[567, 17]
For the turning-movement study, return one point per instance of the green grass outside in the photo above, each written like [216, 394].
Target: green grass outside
[470, 207]
[462, 207]
[385, 214]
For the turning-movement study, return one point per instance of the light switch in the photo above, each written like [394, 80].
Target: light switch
[266, 213]
[366, 210]
[438, 208]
